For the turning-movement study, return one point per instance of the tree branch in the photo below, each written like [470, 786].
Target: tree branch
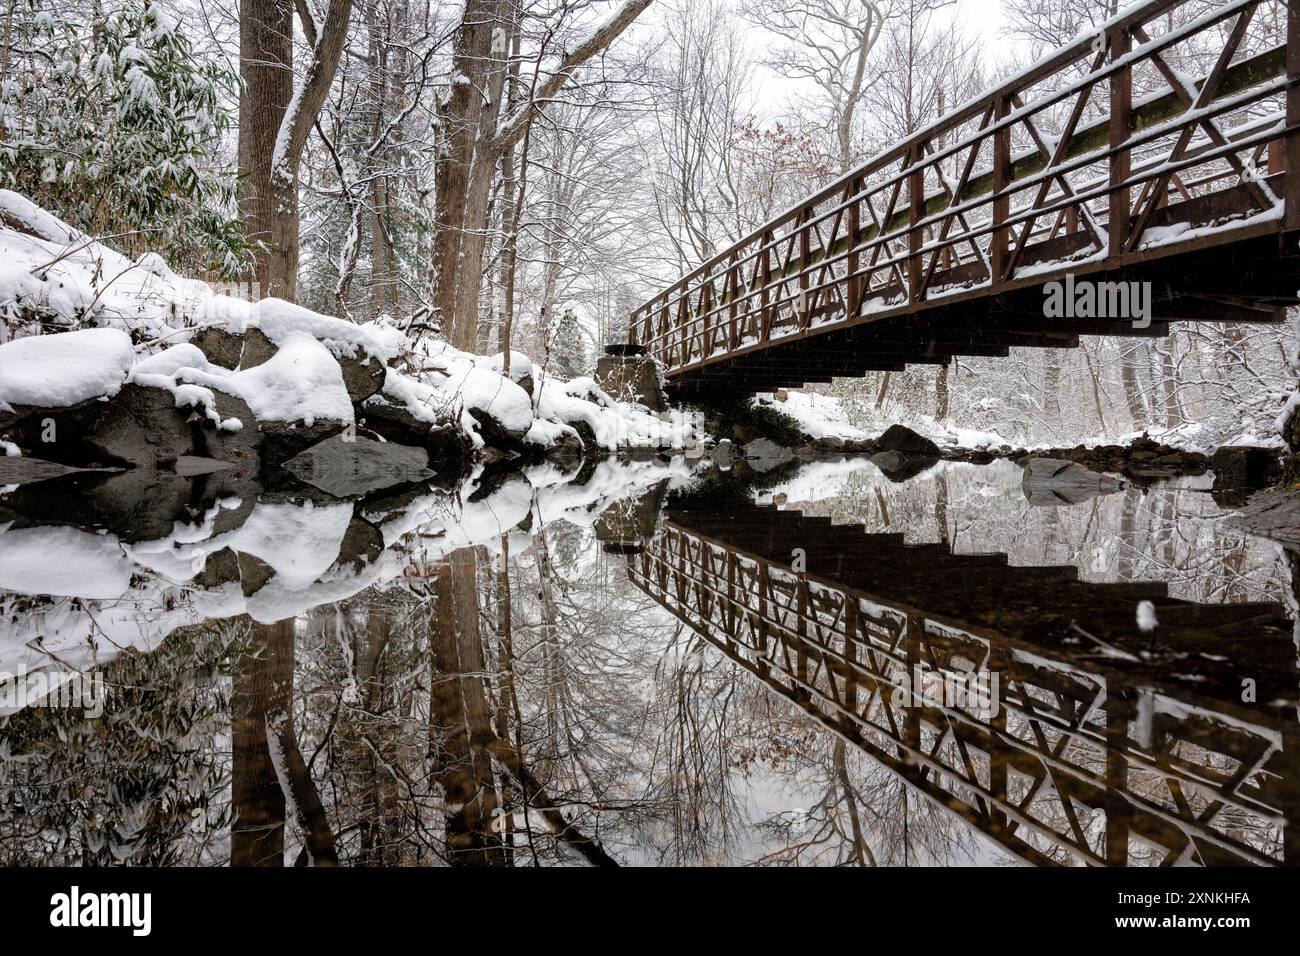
[513, 127]
[310, 96]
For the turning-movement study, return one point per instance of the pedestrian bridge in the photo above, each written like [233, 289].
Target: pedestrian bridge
[1163, 150]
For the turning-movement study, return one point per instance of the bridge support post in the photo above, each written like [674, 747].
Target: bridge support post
[1291, 147]
[915, 212]
[1121, 125]
[1000, 253]
[1118, 813]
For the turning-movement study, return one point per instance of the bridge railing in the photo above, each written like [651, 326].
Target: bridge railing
[1105, 773]
[1167, 128]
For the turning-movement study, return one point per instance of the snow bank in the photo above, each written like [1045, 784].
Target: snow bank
[613, 424]
[55, 371]
[73, 280]
[279, 320]
[521, 366]
[53, 273]
[161, 371]
[18, 211]
[454, 388]
[300, 382]
[818, 416]
[485, 391]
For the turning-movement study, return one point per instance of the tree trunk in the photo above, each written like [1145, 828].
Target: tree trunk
[942, 394]
[461, 713]
[464, 166]
[266, 75]
[1130, 355]
[263, 680]
[383, 291]
[274, 122]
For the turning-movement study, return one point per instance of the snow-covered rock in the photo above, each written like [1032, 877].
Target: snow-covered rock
[287, 366]
[56, 371]
[1051, 481]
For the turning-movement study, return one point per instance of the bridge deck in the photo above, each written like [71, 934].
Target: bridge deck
[1104, 161]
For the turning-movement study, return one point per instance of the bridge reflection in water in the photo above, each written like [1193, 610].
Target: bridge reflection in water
[1108, 745]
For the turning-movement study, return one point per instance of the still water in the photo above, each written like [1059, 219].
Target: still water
[644, 663]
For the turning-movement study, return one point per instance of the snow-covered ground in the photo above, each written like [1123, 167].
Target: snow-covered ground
[818, 416]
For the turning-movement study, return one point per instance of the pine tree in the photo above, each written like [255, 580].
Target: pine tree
[569, 353]
[113, 123]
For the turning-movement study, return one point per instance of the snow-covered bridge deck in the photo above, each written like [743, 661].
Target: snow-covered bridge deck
[1164, 149]
[1090, 755]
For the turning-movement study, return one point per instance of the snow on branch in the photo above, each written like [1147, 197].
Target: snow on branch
[309, 96]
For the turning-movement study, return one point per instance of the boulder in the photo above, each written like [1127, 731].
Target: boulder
[254, 573]
[282, 441]
[443, 440]
[241, 446]
[1144, 459]
[348, 468]
[362, 544]
[888, 461]
[8, 418]
[257, 348]
[762, 454]
[139, 504]
[1244, 467]
[498, 433]
[219, 346]
[566, 451]
[631, 378]
[219, 568]
[1274, 514]
[192, 466]
[1291, 429]
[16, 470]
[723, 454]
[363, 376]
[625, 525]
[1053, 481]
[901, 439]
[139, 426]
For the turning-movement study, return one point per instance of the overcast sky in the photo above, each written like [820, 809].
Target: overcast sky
[982, 18]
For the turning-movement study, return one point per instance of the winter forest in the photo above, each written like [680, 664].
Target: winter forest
[649, 432]
[523, 175]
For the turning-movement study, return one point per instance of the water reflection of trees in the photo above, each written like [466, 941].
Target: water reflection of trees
[518, 705]
[146, 783]
[517, 702]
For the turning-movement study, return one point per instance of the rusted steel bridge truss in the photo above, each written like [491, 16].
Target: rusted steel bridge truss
[1105, 160]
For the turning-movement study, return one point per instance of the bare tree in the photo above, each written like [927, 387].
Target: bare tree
[276, 116]
[829, 44]
[471, 138]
